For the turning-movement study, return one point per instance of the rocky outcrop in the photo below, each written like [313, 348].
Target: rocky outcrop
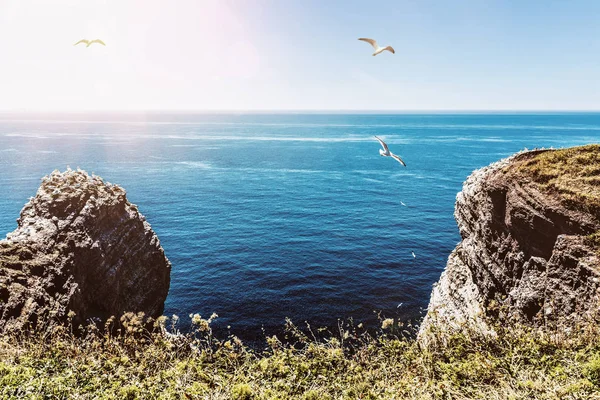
[80, 247]
[529, 250]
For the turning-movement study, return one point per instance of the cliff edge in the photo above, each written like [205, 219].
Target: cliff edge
[80, 247]
[530, 249]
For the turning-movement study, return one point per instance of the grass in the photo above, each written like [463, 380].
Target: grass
[137, 363]
[573, 174]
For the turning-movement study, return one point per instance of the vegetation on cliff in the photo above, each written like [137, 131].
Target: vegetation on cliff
[136, 363]
[573, 174]
[529, 244]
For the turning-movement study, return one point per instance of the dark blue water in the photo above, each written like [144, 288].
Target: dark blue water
[273, 216]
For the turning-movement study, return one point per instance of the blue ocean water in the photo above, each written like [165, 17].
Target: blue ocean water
[267, 216]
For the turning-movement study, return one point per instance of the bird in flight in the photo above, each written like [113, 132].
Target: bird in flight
[90, 42]
[385, 152]
[413, 254]
[376, 46]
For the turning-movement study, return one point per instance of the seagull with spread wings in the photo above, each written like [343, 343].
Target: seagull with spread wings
[385, 152]
[378, 49]
[90, 42]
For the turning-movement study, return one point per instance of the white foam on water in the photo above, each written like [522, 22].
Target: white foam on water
[373, 180]
[275, 170]
[270, 138]
[27, 135]
[401, 125]
[194, 164]
[446, 139]
[195, 137]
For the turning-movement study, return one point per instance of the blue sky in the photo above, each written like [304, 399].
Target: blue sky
[290, 55]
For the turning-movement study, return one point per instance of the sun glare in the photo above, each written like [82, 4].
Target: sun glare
[151, 52]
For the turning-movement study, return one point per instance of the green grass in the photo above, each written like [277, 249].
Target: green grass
[594, 241]
[572, 174]
[136, 363]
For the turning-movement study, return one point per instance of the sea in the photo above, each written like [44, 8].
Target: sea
[268, 216]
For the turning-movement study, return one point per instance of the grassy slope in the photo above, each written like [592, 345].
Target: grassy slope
[572, 174]
[519, 364]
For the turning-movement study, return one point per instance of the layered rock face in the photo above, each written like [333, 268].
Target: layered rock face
[80, 246]
[529, 250]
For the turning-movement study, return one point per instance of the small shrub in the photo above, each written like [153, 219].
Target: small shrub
[592, 369]
[313, 395]
[242, 391]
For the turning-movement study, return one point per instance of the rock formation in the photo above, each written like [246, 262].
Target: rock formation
[530, 244]
[80, 246]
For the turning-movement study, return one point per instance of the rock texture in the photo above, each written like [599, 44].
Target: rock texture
[528, 250]
[80, 246]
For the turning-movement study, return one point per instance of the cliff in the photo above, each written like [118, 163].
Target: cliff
[530, 244]
[80, 246]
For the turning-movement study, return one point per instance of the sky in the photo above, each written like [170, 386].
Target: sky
[203, 55]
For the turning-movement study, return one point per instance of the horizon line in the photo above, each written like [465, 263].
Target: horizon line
[301, 111]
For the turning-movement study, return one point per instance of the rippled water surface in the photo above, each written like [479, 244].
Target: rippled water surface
[267, 216]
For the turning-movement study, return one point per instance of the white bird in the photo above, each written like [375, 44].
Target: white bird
[403, 204]
[376, 46]
[385, 152]
[399, 305]
[90, 42]
[413, 254]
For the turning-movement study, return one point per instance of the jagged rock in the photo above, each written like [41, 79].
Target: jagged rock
[529, 250]
[80, 246]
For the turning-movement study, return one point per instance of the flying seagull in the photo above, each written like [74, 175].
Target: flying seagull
[376, 46]
[90, 42]
[413, 254]
[403, 204]
[385, 152]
